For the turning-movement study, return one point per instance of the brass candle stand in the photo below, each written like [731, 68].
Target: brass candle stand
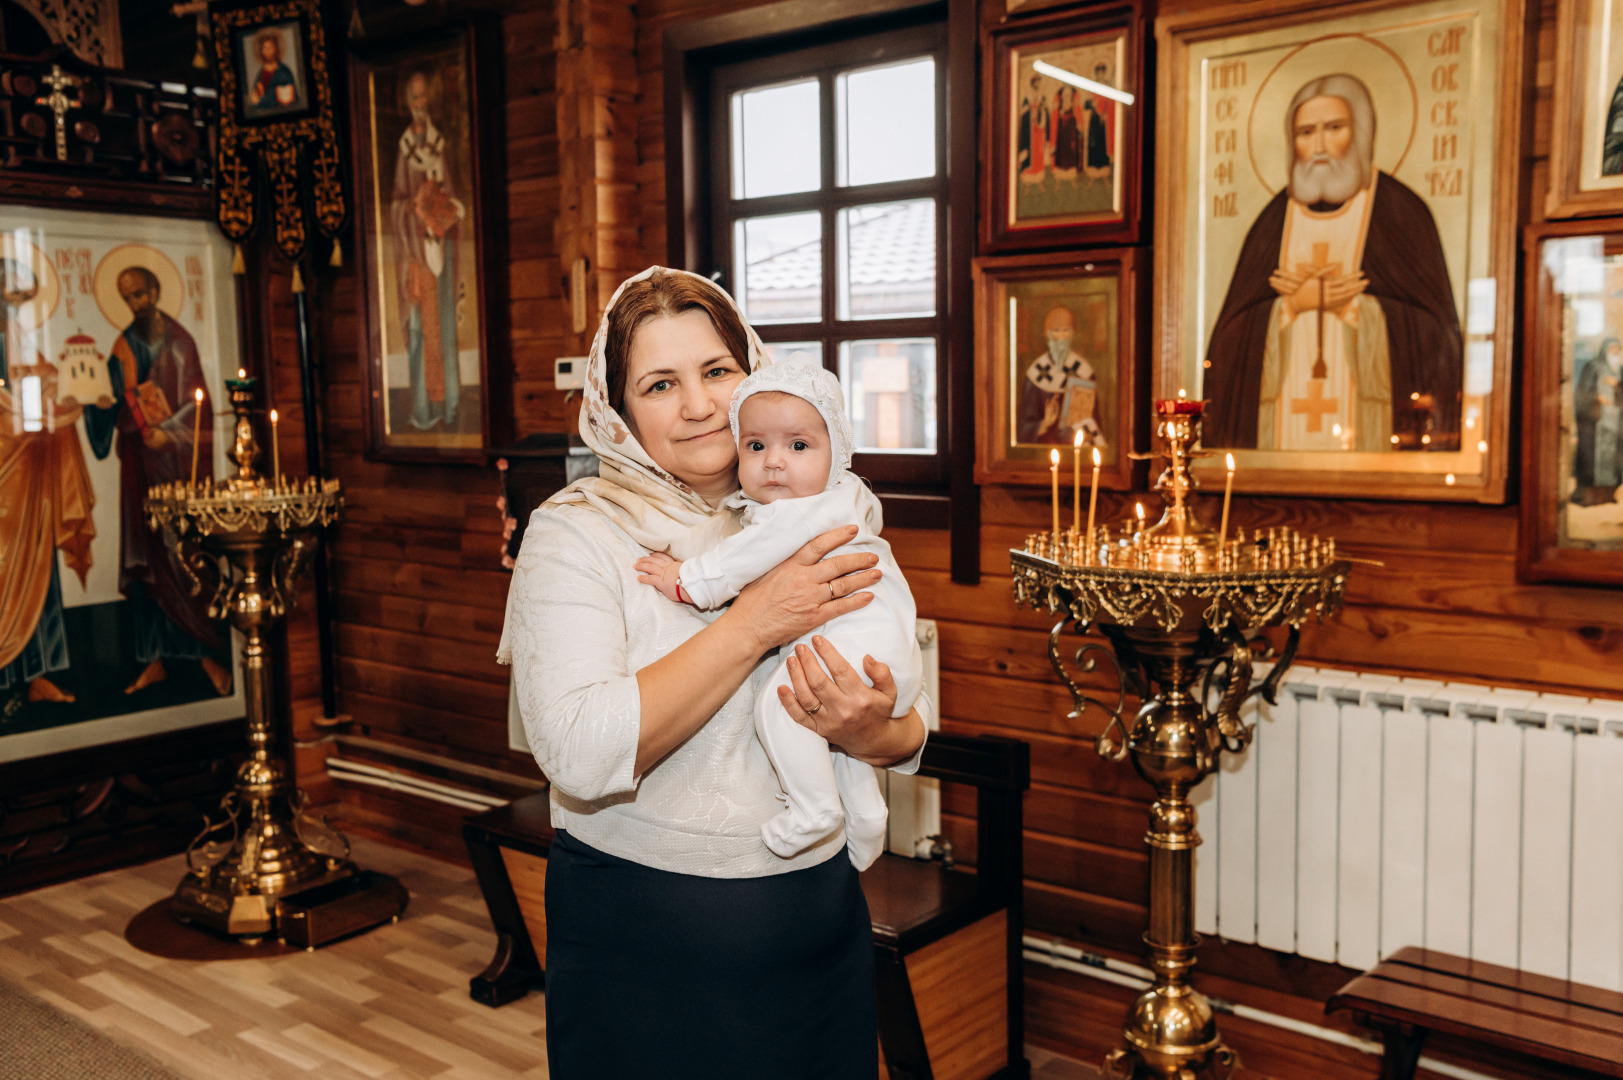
[249, 537]
[1176, 603]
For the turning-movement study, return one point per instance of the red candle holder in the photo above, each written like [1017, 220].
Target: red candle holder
[1179, 407]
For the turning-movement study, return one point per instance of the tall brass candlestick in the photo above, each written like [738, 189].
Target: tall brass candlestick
[1053, 473]
[197, 429]
[1183, 624]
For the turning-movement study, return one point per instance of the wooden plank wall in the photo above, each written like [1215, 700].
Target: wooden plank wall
[418, 589]
[419, 598]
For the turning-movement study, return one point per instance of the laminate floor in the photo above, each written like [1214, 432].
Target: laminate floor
[391, 1004]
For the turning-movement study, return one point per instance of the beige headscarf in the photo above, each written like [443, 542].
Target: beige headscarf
[656, 509]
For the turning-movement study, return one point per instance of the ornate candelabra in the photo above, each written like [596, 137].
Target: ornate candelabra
[249, 537]
[1177, 604]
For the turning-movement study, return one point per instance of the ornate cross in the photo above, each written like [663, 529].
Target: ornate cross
[1315, 406]
[59, 104]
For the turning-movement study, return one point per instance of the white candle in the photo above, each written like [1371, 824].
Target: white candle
[197, 429]
[1093, 496]
[276, 449]
[1228, 492]
[1076, 481]
[1053, 473]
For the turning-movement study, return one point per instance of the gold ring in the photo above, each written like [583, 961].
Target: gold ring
[814, 711]
[831, 596]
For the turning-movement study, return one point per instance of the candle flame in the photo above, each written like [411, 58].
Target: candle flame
[1230, 459]
[198, 395]
[1182, 393]
[273, 416]
[242, 373]
[1053, 458]
[1138, 508]
[1096, 458]
[1077, 441]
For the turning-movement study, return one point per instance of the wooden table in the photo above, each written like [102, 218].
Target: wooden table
[1418, 991]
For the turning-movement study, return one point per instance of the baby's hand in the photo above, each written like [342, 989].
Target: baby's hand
[663, 573]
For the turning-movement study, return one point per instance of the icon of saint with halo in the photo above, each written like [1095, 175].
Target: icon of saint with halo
[1339, 330]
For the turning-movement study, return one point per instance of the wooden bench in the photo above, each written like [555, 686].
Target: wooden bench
[947, 952]
[1418, 991]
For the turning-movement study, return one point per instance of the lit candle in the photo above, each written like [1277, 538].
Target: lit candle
[1093, 496]
[1138, 508]
[1076, 481]
[242, 373]
[1228, 493]
[1053, 475]
[276, 451]
[197, 429]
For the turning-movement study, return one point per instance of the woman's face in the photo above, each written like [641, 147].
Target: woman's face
[679, 385]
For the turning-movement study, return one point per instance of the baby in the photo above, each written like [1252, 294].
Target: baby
[794, 459]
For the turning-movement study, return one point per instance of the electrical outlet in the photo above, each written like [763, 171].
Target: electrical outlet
[569, 373]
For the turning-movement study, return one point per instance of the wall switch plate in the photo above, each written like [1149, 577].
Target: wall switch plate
[569, 373]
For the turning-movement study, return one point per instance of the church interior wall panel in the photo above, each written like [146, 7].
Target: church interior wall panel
[419, 596]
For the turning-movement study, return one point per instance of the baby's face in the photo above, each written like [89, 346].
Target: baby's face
[784, 451]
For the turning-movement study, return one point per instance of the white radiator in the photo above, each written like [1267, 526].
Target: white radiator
[1372, 812]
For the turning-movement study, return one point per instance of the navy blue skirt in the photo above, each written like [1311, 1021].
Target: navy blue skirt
[652, 974]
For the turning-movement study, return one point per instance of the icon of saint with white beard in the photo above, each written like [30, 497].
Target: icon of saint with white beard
[1339, 330]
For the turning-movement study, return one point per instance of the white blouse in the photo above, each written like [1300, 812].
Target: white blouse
[580, 627]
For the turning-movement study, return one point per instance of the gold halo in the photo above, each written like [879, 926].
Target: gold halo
[1391, 90]
[171, 287]
[36, 312]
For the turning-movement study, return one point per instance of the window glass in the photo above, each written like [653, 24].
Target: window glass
[885, 118]
[780, 351]
[780, 267]
[776, 139]
[887, 266]
[890, 393]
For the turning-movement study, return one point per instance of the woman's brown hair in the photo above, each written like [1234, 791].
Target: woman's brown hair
[666, 294]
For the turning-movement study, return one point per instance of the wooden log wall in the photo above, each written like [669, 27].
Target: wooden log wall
[418, 589]
[419, 596]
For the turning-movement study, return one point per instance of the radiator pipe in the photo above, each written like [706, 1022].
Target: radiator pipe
[1056, 954]
[361, 773]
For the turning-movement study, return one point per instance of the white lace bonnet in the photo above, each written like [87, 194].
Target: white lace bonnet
[810, 382]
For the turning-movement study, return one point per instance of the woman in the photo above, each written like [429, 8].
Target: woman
[678, 945]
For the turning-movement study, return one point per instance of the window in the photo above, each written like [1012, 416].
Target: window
[827, 218]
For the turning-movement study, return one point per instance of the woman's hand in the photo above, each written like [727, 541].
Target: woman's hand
[805, 591]
[846, 711]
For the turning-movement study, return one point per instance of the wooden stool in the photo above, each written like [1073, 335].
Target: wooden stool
[947, 950]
